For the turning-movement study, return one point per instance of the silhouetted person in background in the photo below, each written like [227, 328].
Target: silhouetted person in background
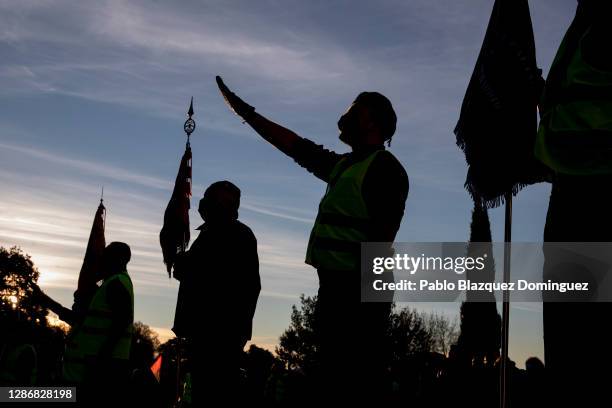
[18, 357]
[99, 341]
[366, 193]
[220, 286]
[535, 391]
[574, 140]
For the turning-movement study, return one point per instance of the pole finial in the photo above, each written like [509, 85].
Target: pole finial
[190, 124]
[102, 195]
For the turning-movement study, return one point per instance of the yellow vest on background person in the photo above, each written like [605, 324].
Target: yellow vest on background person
[85, 340]
[343, 221]
[575, 133]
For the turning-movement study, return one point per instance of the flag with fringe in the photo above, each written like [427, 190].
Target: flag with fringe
[498, 121]
[174, 235]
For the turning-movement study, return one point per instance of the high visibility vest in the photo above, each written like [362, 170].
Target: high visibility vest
[343, 221]
[87, 338]
[575, 133]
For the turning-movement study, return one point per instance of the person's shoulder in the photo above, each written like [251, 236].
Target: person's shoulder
[387, 155]
[119, 284]
[244, 230]
[391, 163]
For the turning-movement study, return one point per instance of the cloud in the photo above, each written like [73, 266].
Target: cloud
[276, 212]
[100, 170]
[54, 226]
[135, 50]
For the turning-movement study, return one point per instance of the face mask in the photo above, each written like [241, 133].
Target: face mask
[348, 128]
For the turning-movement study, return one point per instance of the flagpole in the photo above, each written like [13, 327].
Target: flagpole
[189, 126]
[178, 369]
[503, 395]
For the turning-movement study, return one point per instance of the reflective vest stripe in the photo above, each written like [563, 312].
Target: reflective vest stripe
[101, 331]
[338, 245]
[567, 139]
[341, 220]
[585, 93]
[100, 313]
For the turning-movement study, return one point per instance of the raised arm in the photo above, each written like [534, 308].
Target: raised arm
[282, 138]
[64, 314]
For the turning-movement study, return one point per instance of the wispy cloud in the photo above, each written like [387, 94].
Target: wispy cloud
[90, 167]
[276, 212]
[133, 47]
[57, 228]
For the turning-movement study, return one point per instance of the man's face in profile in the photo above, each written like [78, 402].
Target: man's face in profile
[349, 125]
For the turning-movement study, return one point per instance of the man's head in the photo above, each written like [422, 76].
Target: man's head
[370, 120]
[115, 258]
[220, 202]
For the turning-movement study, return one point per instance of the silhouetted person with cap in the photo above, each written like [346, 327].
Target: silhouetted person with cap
[364, 202]
[99, 341]
[220, 286]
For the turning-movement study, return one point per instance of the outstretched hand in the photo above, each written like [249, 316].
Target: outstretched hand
[283, 139]
[240, 107]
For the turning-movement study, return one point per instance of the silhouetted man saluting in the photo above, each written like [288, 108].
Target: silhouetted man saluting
[220, 286]
[364, 202]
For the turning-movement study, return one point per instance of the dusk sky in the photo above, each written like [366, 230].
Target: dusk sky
[94, 94]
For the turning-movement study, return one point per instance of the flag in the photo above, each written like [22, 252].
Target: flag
[498, 121]
[174, 235]
[90, 270]
[156, 368]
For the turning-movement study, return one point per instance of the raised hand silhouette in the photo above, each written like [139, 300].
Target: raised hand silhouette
[236, 104]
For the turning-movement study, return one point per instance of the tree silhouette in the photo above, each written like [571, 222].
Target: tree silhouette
[443, 333]
[22, 319]
[171, 351]
[419, 343]
[259, 362]
[262, 369]
[145, 343]
[18, 276]
[298, 346]
[410, 332]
